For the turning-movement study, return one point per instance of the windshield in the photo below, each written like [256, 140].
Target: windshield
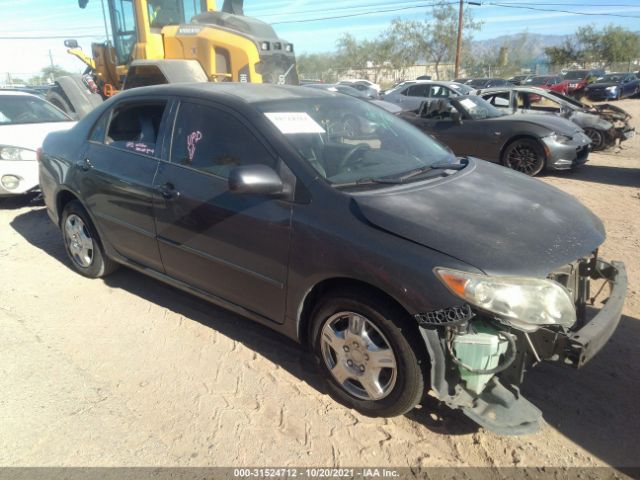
[19, 109]
[348, 141]
[478, 82]
[575, 75]
[461, 89]
[478, 108]
[537, 80]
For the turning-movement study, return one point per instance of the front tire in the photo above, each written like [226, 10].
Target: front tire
[524, 155]
[82, 243]
[597, 137]
[369, 359]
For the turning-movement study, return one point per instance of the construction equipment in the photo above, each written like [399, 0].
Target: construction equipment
[151, 35]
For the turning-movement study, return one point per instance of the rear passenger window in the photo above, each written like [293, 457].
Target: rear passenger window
[214, 141]
[135, 127]
[419, 91]
[100, 128]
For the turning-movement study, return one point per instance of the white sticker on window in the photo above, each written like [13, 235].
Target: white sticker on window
[294, 122]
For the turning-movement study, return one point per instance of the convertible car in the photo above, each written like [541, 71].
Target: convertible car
[527, 143]
[605, 124]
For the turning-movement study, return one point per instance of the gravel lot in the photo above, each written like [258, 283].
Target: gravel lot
[129, 372]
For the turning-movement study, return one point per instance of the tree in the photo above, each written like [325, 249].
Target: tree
[565, 54]
[52, 72]
[609, 45]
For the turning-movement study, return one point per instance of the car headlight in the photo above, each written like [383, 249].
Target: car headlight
[16, 153]
[560, 138]
[612, 88]
[524, 303]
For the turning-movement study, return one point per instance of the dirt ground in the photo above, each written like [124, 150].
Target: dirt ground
[129, 372]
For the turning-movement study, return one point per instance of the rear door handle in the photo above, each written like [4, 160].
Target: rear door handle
[84, 165]
[168, 191]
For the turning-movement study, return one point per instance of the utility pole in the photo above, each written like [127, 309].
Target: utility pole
[459, 43]
[51, 59]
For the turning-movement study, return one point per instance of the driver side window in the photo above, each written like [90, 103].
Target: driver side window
[214, 141]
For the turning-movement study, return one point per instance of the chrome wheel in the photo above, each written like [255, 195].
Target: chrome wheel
[359, 356]
[79, 241]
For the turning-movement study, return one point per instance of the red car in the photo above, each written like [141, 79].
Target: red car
[548, 82]
[575, 81]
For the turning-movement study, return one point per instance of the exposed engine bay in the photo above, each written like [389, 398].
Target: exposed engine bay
[479, 358]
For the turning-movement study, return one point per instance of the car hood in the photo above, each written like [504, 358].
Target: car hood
[30, 135]
[495, 219]
[550, 122]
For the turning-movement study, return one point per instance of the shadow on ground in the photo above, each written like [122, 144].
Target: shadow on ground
[39, 231]
[596, 406]
[621, 176]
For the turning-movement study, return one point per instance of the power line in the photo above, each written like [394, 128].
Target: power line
[342, 9]
[51, 37]
[397, 9]
[590, 14]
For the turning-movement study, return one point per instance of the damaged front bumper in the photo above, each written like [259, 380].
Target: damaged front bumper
[500, 407]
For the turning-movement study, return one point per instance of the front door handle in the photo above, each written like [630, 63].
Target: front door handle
[168, 191]
[84, 165]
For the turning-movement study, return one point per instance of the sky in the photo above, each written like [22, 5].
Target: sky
[311, 25]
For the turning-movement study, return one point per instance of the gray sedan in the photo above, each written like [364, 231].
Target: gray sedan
[403, 268]
[410, 95]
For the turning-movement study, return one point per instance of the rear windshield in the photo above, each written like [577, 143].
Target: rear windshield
[537, 80]
[21, 109]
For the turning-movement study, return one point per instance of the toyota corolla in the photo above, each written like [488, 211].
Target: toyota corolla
[403, 268]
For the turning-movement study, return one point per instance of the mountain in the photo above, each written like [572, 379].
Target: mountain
[531, 43]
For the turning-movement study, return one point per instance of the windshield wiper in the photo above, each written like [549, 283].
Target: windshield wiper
[419, 171]
[399, 179]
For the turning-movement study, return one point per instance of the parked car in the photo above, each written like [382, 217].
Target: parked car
[25, 120]
[519, 79]
[424, 77]
[410, 95]
[352, 122]
[605, 124]
[613, 86]
[526, 143]
[402, 267]
[361, 84]
[478, 83]
[575, 81]
[546, 82]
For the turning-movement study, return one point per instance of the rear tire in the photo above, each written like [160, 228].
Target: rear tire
[524, 155]
[82, 243]
[57, 97]
[369, 359]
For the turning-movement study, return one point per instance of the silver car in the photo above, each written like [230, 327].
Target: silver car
[410, 95]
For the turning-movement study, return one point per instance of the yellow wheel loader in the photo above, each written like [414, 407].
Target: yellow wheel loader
[169, 41]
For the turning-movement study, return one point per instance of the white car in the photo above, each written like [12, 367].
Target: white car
[25, 120]
[362, 82]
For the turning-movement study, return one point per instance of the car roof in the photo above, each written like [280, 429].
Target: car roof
[247, 93]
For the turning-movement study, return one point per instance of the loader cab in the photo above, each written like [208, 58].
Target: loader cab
[137, 25]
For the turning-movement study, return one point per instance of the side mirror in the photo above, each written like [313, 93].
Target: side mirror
[255, 179]
[455, 116]
[71, 43]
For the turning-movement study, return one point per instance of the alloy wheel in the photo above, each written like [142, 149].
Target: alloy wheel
[523, 158]
[79, 241]
[359, 356]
